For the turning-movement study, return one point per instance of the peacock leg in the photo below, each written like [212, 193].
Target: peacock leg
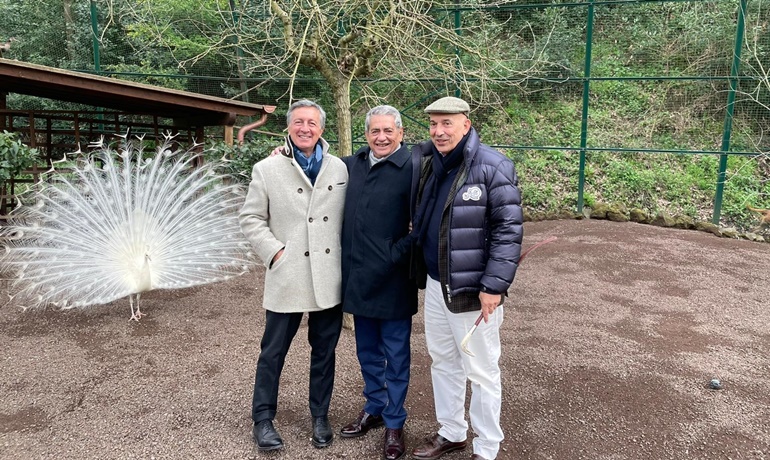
[135, 315]
[138, 313]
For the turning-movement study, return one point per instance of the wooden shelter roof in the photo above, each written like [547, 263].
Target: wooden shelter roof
[185, 108]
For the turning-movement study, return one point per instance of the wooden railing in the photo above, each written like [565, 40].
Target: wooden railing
[57, 133]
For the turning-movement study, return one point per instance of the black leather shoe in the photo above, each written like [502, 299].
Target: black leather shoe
[266, 437]
[322, 432]
[394, 448]
[361, 425]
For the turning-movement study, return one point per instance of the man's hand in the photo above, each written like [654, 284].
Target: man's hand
[278, 151]
[276, 257]
[489, 302]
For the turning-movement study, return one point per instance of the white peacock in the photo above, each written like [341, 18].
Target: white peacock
[119, 224]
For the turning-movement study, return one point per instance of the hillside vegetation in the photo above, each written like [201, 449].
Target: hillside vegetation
[658, 82]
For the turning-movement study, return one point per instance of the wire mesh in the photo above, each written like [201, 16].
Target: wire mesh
[654, 87]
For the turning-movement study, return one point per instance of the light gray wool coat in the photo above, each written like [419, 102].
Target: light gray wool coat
[284, 211]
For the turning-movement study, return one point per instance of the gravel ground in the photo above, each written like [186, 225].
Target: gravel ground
[612, 334]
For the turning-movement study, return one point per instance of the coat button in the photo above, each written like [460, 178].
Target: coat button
[328, 250]
[299, 190]
[326, 219]
[330, 187]
[307, 253]
[310, 220]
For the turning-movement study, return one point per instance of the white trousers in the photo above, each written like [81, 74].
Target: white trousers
[444, 331]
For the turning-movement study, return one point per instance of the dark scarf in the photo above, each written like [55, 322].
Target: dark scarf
[442, 168]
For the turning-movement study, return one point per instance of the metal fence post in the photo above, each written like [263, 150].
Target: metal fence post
[95, 38]
[239, 53]
[584, 115]
[458, 31]
[97, 54]
[734, 68]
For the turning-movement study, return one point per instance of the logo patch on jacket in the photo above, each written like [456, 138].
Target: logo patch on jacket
[473, 193]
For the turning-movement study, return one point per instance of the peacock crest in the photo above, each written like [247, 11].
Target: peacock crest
[119, 223]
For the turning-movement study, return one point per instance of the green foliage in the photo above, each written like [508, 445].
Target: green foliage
[184, 44]
[547, 122]
[622, 96]
[145, 73]
[548, 178]
[654, 182]
[176, 35]
[241, 158]
[15, 156]
[746, 184]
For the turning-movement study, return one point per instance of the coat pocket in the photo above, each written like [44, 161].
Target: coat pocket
[281, 260]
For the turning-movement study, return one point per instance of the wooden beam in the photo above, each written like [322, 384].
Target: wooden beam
[131, 97]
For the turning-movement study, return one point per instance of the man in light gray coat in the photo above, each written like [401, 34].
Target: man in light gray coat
[292, 216]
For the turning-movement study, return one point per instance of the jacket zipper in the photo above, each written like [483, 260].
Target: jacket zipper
[463, 176]
[461, 181]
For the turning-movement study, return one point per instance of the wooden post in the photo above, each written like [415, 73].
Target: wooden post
[199, 139]
[3, 107]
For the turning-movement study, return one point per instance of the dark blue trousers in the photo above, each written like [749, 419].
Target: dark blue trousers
[280, 328]
[385, 357]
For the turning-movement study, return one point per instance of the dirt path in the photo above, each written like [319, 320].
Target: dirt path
[612, 334]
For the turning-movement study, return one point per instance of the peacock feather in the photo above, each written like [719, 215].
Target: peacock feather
[117, 224]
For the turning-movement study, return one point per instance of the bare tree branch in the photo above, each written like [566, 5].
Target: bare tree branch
[349, 40]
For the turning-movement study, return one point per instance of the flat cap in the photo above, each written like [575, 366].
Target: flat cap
[448, 104]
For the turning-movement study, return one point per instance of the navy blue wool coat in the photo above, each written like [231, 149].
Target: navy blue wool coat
[376, 248]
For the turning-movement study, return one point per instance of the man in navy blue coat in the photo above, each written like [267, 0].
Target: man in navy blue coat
[376, 286]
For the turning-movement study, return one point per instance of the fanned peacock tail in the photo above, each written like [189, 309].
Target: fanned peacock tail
[120, 224]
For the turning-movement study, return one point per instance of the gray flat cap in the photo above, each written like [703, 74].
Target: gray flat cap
[448, 104]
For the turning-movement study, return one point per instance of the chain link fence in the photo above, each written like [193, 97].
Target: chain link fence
[636, 94]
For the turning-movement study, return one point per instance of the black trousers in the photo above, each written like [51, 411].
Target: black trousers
[323, 333]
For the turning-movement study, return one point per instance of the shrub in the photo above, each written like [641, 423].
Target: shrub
[15, 156]
[241, 158]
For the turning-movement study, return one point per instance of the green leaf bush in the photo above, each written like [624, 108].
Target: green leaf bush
[241, 158]
[15, 156]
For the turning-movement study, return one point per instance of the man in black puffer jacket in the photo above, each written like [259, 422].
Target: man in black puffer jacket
[469, 225]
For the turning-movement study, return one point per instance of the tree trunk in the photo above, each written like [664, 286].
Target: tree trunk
[69, 28]
[341, 92]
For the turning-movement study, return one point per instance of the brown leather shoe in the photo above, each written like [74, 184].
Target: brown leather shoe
[361, 425]
[394, 444]
[436, 446]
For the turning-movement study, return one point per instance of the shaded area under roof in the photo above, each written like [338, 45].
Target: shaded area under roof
[185, 108]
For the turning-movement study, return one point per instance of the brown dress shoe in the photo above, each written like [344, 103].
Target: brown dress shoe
[394, 444]
[361, 425]
[435, 447]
